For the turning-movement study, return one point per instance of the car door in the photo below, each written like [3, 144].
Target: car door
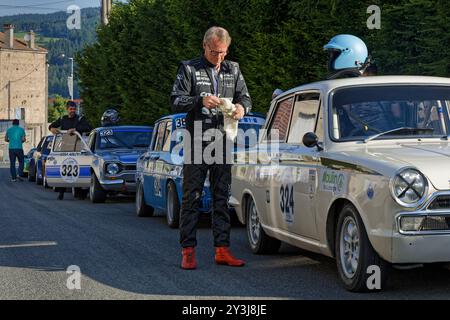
[273, 175]
[35, 158]
[152, 179]
[69, 162]
[299, 167]
[164, 163]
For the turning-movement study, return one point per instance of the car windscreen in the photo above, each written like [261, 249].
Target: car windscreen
[123, 138]
[391, 111]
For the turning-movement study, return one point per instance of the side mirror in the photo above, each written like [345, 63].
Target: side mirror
[311, 140]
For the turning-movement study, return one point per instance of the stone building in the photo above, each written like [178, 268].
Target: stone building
[23, 86]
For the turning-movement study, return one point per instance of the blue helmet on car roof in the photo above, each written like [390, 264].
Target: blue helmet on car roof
[346, 52]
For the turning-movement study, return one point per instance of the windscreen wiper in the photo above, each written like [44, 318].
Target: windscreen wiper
[399, 131]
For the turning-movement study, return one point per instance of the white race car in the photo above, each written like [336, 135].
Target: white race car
[361, 173]
[69, 162]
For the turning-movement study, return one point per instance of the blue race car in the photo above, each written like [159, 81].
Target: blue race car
[115, 151]
[159, 175]
[38, 160]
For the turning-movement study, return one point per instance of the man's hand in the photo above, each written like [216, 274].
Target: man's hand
[71, 131]
[211, 102]
[238, 114]
[54, 130]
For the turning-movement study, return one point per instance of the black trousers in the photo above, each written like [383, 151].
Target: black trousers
[194, 176]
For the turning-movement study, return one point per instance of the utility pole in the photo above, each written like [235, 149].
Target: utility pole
[9, 99]
[71, 79]
[106, 10]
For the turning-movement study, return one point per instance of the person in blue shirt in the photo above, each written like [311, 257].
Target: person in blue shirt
[15, 136]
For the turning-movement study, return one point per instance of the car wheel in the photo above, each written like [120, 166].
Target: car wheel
[355, 256]
[96, 192]
[172, 206]
[142, 209]
[44, 183]
[37, 179]
[260, 242]
[31, 175]
[76, 192]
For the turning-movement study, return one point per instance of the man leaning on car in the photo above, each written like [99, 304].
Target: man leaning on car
[70, 122]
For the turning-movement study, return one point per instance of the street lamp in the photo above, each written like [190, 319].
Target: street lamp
[70, 78]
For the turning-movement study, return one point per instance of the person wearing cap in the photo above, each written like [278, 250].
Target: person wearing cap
[70, 122]
[15, 136]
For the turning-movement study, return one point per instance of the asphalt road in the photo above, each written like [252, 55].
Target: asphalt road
[122, 256]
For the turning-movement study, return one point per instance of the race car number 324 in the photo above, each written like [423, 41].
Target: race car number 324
[70, 170]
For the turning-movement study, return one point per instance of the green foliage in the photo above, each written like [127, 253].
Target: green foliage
[278, 43]
[57, 109]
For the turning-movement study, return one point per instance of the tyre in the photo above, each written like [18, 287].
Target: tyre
[76, 192]
[142, 209]
[39, 181]
[96, 192]
[44, 183]
[355, 256]
[172, 206]
[260, 242]
[31, 174]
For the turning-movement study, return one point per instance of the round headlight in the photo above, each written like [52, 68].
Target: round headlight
[409, 187]
[112, 168]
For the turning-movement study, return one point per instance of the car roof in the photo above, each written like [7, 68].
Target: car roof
[123, 127]
[329, 85]
[183, 115]
[172, 116]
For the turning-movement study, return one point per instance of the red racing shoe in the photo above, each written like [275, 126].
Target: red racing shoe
[188, 262]
[224, 256]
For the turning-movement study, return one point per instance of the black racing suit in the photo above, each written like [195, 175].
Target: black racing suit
[65, 123]
[196, 79]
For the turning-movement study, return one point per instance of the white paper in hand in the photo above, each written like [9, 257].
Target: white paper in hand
[229, 123]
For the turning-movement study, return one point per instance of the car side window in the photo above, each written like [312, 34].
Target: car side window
[91, 142]
[160, 136]
[304, 116]
[167, 137]
[39, 146]
[280, 120]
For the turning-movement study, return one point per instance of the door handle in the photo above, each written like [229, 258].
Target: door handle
[50, 158]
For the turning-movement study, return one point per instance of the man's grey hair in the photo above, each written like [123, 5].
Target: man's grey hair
[217, 32]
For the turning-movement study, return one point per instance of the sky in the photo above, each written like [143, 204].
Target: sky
[11, 7]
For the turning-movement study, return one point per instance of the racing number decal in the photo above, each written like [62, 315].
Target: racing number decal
[287, 202]
[70, 170]
[180, 123]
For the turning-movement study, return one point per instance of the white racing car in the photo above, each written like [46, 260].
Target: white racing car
[361, 174]
[69, 162]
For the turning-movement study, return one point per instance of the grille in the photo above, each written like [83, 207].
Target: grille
[435, 224]
[440, 202]
[129, 167]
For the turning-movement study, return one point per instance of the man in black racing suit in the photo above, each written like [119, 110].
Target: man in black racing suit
[199, 85]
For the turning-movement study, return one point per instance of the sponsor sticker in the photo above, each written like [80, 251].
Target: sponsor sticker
[333, 181]
[106, 133]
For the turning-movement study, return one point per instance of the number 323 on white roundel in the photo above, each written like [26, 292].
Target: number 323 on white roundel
[70, 170]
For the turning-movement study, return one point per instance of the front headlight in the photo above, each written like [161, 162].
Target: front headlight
[112, 168]
[409, 187]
